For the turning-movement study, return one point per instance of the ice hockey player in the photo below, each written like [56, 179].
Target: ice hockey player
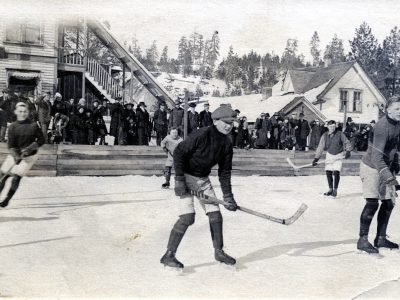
[193, 160]
[334, 142]
[378, 170]
[24, 139]
[169, 144]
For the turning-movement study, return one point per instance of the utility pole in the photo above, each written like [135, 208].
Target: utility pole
[185, 114]
[345, 113]
[85, 55]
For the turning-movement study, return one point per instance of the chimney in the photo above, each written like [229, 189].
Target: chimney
[327, 62]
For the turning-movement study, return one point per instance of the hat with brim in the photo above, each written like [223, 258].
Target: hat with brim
[192, 104]
[225, 114]
[142, 104]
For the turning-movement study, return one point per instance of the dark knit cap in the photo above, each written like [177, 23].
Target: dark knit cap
[224, 113]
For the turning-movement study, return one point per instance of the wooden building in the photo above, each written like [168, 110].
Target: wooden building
[40, 55]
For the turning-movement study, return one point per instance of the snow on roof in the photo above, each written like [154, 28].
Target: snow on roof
[250, 106]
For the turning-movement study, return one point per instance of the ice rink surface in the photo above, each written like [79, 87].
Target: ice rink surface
[104, 236]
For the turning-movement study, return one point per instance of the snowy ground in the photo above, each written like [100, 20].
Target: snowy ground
[103, 237]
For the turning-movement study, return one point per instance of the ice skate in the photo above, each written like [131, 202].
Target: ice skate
[329, 193]
[334, 193]
[224, 258]
[383, 242]
[365, 246]
[165, 185]
[169, 260]
[4, 203]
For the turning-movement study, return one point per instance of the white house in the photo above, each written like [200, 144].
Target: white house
[333, 89]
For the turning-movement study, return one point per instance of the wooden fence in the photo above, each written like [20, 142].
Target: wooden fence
[84, 160]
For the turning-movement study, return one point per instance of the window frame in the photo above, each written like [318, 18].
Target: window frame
[354, 101]
[350, 100]
[22, 27]
[341, 101]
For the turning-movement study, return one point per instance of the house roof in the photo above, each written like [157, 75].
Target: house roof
[300, 79]
[333, 73]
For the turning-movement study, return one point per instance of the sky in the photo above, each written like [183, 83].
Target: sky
[262, 26]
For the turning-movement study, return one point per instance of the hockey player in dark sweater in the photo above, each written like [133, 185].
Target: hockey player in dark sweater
[193, 160]
[337, 147]
[378, 171]
[24, 140]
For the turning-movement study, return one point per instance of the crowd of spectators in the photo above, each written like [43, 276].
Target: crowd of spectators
[76, 122]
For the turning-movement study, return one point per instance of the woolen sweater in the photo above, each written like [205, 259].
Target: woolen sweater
[201, 151]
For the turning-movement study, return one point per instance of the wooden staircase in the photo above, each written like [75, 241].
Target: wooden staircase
[85, 160]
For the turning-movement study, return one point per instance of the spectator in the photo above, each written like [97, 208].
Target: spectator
[78, 126]
[3, 116]
[275, 128]
[242, 139]
[350, 132]
[44, 113]
[100, 125]
[71, 110]
[263, 126]
[205, 119]
[59, 106]
[8, 105]
[193, 119]
[287, 137]
[60, 122]
[89, 127]
[317, 129]
[82, 102]
[176, 118]
[116, 110]
[143, 124]
[160, 123]
[131, 132]
[302, 131]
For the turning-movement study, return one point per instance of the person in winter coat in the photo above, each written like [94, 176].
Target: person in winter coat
[116, 110]
[242, 138]
[8, 105]
[44, 113]
[351, 131]
[131, 132]
[176, 118]
[79, 136]
[302, 132]
[287, 135]
[160, 123]
[3, 116]
[143, 124]
[71, 110]
[264, 127]
[274, 140]
[193, 119]
[317, 129]
[30, 102]
[90, 127]
[169, 144]
[205, 119]
[59, 106]
[100, 125]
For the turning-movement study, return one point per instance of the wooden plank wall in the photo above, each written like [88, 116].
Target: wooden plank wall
[82, 160]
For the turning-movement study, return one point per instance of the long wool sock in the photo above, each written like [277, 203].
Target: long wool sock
[370, 208]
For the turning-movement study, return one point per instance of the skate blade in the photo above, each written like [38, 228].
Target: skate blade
[375, 255]
[228, 267]
[172, 270]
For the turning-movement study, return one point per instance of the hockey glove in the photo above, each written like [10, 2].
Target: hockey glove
[232, 206]
[314, 162]
[394, 166]
[16, 155]
[388, 177]
[347, 155]
[30, 150]
[180, 186]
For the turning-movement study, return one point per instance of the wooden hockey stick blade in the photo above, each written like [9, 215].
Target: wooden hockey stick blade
[288, 221]
[302, 166]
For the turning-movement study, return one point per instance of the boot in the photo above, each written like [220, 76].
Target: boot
[334, 192]
[170, 260]
[329, 193]
[222, 257]
[165, 185]
[366, 246]
[383, 242]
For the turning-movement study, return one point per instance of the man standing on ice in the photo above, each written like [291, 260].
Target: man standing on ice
[193, 160]
[169, 144]
[378, 171]
[334, 142]
[24, 139]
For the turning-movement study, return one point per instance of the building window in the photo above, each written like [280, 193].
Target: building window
[24, 32]
[343, 99]
[357, 102]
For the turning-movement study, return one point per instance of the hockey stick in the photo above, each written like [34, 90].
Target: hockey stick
[288, 221]
[302, 166]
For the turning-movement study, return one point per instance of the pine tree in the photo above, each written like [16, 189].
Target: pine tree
[335, 51]
[289, 55]
[364, 47]
[164, 61]
[315, 50]
[391, 48]
[152, 57]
